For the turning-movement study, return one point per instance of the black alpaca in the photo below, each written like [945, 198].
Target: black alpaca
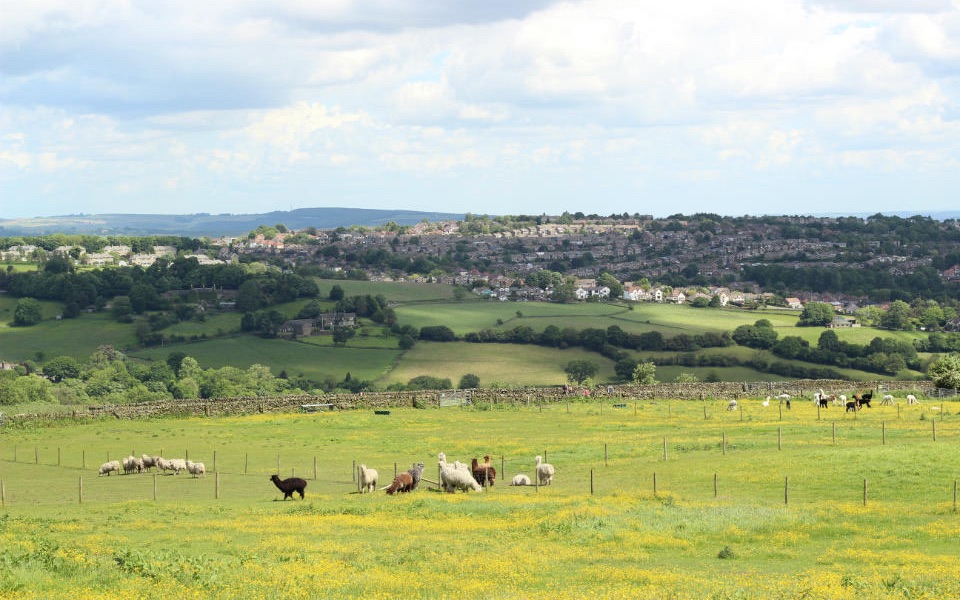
[289, 486]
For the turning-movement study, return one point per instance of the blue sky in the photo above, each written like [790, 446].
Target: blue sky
[496, 107]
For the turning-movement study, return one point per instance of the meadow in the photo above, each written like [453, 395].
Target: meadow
[660, 499]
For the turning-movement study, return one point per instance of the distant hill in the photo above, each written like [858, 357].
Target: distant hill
[207, 225]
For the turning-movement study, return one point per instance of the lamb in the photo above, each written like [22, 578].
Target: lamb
[416, 472]
[544, 472]
[456, 476]
[289, 485]
[520, 479]
[131, 464]
[403, 482]
[368, 479]
[196, 469]
[109, 467]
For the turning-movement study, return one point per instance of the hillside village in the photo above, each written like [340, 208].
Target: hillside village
[677, 259]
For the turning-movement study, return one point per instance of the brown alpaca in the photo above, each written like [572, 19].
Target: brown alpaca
[403, 482]
[289, 486]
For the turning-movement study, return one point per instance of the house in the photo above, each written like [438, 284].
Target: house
[324, 323]
[840, 322]
[794, 303]
[677, 297]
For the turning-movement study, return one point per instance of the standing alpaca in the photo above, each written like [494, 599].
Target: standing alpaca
[484, 472]
[368, 479]
[416, 471]
[289, 486]
[545, 472]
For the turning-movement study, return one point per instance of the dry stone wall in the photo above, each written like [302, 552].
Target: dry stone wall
[427, 399]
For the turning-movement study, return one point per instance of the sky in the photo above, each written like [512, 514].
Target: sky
[740, 107]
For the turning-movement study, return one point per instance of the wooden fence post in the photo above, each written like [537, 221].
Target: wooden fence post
[664, 448]
[605, 463]
[3, 493]
[834, 433]
[779, 438]
[217, 493]
[58, 456]
[864, 491]
[246, 461]
[314, 468]
[654, 483]
[591, 482]
[933, 422]
[883, 432]
[786, 490]
[36, 455]
[716, 485]
[954, 495]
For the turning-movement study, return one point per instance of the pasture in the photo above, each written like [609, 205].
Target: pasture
[663, 499]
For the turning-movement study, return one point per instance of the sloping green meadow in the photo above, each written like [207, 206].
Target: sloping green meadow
[662, 499]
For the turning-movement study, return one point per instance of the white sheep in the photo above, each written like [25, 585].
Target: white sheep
[545, 472]
[520, 480]
[456, 476]
[368, 479]
[196, 468]
[149, 461]
[131, 464]
[109, 467]
[732, 405]
[911, 399]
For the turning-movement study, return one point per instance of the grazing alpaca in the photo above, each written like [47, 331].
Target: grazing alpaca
[403, 482]
[766, 402]
[911, 399]
[368, 479]
[456, 476]
[887, 399]
[732, 405]
[289, 486]
[545, 472]
[853, 406]
[520, 480]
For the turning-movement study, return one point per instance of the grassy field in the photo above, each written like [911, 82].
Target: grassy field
[653, 500]
[503, 364]
[296, 358]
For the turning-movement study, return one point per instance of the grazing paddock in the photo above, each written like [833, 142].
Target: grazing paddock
[719, 506]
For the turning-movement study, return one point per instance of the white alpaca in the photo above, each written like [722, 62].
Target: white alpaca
[887, 399]
[545, 472]
[456, 476]
[766, 402]
[839, 400]
[783, 396]
[732, 405]
[368, 479]
[520, 480]
[911, 399]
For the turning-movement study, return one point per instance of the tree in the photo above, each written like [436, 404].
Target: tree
[62, 367]
[897, 316]
[406, 342]
[645, 373]
[579, 370]
[27, 313]
[685, 377]
[342, 334]
[816, 314]
[122, 309]
[336, 293]
[945, 371]
[469, 382]
[829, 341]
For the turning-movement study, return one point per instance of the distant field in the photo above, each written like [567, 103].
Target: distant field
[297, 359]
[394, 291]
[78, 337]
[507, 363]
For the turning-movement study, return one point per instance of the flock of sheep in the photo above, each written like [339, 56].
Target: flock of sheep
[453, 476]
[133, 464]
